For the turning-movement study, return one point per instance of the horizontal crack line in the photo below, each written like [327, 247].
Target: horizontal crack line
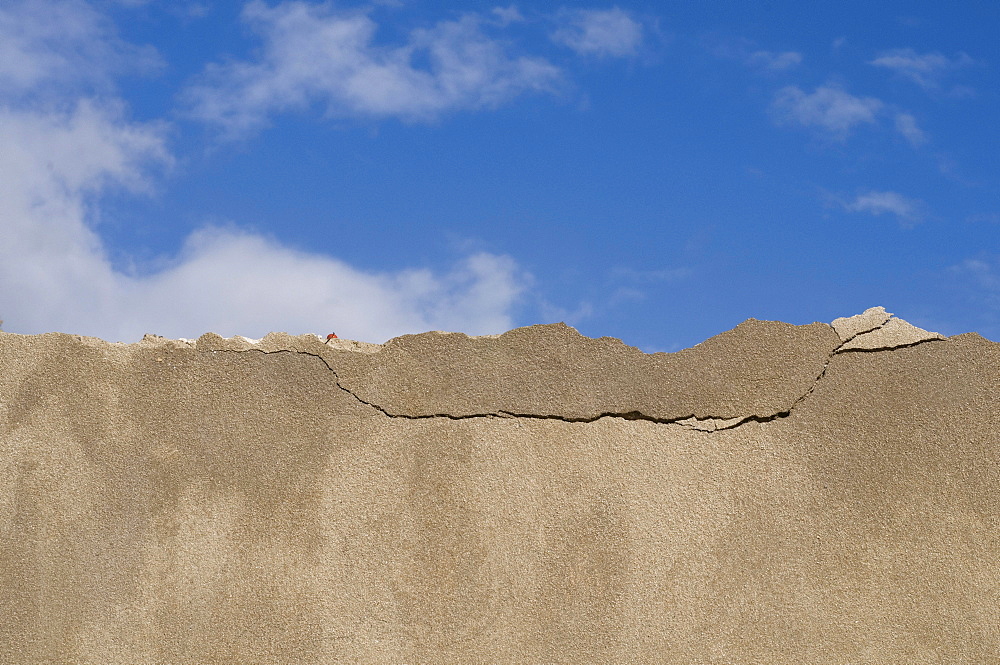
[712, 422]
[506, 414]
[908, 345]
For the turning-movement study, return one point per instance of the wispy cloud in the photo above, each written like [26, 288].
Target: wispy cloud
[748, 52]
[315, 54]
[599, 32]
[985, 273]
[828, 108]
[984, 218]
[906, 210]
[776, 62]
[978, 280]
[907, 125]
[507, 15]
[53, 47]
[927, 70]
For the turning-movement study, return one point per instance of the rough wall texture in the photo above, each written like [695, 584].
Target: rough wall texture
[776, 494]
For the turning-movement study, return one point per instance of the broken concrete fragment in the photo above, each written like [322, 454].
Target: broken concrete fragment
[893, 334]
[849, 327]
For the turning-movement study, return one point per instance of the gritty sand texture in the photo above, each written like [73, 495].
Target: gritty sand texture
[893, 334]
[776, 494]
[849, 327]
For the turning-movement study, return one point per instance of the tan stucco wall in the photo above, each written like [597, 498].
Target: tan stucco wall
[777, 494]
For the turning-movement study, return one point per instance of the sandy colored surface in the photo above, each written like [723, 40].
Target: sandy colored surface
[776, 494]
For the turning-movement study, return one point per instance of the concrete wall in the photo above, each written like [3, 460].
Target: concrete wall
[776, 494]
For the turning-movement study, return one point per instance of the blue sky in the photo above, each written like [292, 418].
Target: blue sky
[653, 172]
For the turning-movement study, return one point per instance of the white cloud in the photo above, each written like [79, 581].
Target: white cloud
[55, 274]
[52, 47]
[237, 282]
[906, 125]
[906, 210]
[927, 70]
[314, 54]
[61, 153]
[600, 32]
[51, 167]
[507, 15]
[774, 61]
[828, 108]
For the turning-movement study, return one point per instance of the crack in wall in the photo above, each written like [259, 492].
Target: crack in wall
[895, 347]
[706, 424]
[840, 349]
[890, 333]
[837, 351]
[630, 415]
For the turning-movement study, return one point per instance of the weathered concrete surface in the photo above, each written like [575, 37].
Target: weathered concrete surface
[289, 501]
[758, 369]
[893, 334]
[849, 327]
